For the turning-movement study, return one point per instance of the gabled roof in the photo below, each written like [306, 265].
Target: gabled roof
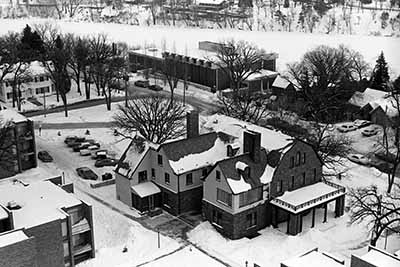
[361, 99]
[280, 82]
[197, 152]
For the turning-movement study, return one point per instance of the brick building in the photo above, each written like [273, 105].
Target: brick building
[198, 67]
[264, 186]
[44, 225]
[22, 137]
[169, 175]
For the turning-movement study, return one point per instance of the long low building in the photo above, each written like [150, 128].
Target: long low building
[43, 224]
[199, 67]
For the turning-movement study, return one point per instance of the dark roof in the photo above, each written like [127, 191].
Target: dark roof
[178, 149]
[228, 168]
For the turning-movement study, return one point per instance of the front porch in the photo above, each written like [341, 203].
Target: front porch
[146, 197]
[294, 205]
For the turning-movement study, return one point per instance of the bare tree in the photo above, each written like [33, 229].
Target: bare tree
[67, 7]
[170, 75]
[380, 211]
[154, 118]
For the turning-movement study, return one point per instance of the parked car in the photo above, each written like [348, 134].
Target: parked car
[347, 127]
[105, 162]
[362, 123]
[370, 131]
[83, 145]
[99, 154]
[85, 152]
[106, 176]
[44, 156]
[69, 139]
[74, 141]
[86, 173]
[155, 87]
[359, 159]
[94, 147]
[141, 83]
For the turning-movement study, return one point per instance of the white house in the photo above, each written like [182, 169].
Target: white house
[35, 84]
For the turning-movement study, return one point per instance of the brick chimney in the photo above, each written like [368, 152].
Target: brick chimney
[252, 144]
[192, 124]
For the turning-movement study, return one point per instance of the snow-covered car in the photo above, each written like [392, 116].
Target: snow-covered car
[93, 147]
[141, 83]
[361, 123]
[359, 159]
[83, 145]
[346, 127]
[44, 156]
[105, 162]
[100, 154]
[85, 152]
[370, 131]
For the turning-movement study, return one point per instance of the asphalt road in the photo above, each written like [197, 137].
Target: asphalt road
[134, 91]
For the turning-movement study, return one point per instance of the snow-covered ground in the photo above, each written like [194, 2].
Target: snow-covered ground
[290, 46]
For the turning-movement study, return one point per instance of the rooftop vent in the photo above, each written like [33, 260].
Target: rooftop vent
[13, 205]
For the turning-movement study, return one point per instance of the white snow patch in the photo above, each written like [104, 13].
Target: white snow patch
[12, 238]
[312, 259]
[11, 115]
[267, 175]
[238, 186]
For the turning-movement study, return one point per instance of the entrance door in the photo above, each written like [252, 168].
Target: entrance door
[151, 202]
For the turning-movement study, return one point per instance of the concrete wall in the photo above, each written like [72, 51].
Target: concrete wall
[49, 244]
[284, 172]
[20, 254]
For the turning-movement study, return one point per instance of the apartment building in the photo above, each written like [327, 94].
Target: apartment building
[43, 224]
[22, 155]
[35, 83]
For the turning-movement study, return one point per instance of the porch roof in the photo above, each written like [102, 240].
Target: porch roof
[145, 189]
[309, 196]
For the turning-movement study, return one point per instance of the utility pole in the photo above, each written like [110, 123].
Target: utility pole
[44, 102]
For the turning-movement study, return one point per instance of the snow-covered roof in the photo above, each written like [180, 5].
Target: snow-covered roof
[11, 115]
[35, 68]
[13, 237]
[262, 74]
[145, 189]
[312, 259]
[315, 194]
[238, 186]
[210, 2]
[361, 99]
[207, 157]
[380, 258]
[40, 202]
[280, 82]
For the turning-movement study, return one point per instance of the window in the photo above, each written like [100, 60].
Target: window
[6, 84]
[279, 187]
[250, 196]
[216, 217]
[153, 173]
[315, 174]
[304, 178]
[142, 176]
[218, 176]
[159, 160]
[298, 156]
[204, 172]
[251, 219]
[292, 182]
[64, 230]
[66, 248]
[166, 177]
[304, 158]
[36, 80]
[41, 78]
[291, 162]
[224, 197]
[9, 95]
[189, 179]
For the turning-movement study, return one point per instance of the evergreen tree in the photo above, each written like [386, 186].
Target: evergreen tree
[380, 75]
[396, 85]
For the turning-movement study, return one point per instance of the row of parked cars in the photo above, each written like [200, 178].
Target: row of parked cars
[146, 84]
[89, 147]
[358, 124]
[379, 161]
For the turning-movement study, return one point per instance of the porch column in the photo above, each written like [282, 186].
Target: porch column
[339, 206]
[325, 212]
[313, 218]
[294, 224]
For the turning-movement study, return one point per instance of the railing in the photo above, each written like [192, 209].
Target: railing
[339, 189]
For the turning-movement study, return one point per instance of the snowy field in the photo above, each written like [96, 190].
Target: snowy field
[290, 46]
